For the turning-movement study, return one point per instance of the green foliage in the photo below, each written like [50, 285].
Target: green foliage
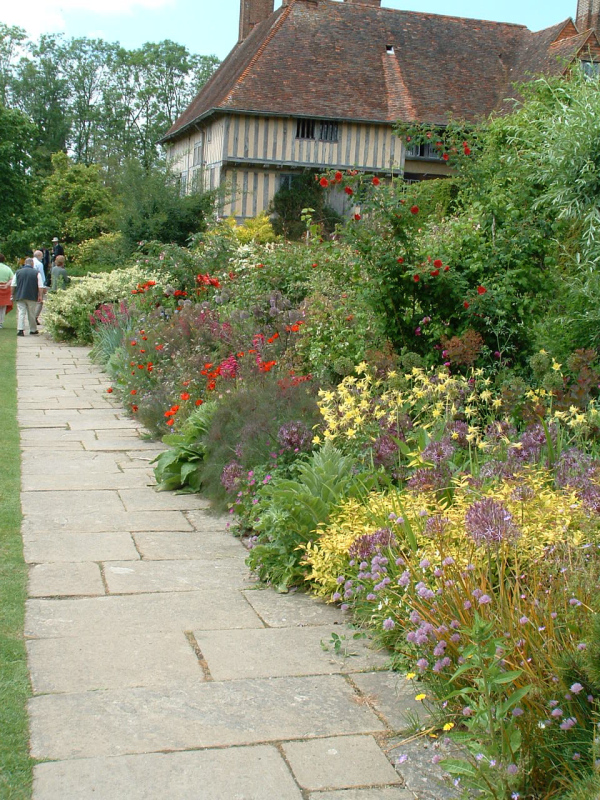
[289, 201]
[152, 208]
[291, 511]
[16, 145]
[103, 254]
[179, 466]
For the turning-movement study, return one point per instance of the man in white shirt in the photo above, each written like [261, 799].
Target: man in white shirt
[38, 265]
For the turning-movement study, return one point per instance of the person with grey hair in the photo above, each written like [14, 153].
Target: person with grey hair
[28, 288]
[38, 265]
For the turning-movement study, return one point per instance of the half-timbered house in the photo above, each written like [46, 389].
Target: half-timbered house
[319, 84]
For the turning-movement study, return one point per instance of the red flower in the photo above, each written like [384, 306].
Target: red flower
[350, 317]
[481, 290]
[357, 217]
[271, 339]
[465, 304]
[445, 156]
[211, 385]
[446, 269]
[232, 276]
[185, 383]
[376, 181]
[141, 366]
[416, 278]
[400, 260]
[133, 391]
[437, 263]
[414, 210]
[467, 151]
[110, 390]
[185, 396]
[348, 190]
[134, 408]
[338, 176]
[324, 183]
[159, 347]
[170, 422]
[133, 342]
[145, 338]
[199, 402]
[435, 273]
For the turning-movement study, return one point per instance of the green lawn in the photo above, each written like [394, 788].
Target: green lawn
[15, 764]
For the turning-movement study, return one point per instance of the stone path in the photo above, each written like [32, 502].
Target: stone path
[160, 671]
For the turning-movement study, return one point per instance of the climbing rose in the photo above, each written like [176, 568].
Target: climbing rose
[414, 210]
[324, 182]
[348, 190]
[481, 290]
[376, 181]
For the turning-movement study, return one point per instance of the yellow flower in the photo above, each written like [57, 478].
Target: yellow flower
[556, 366]
[410, 676]
[316, 440]
[448, 726]
[420, 697]
[362, 367]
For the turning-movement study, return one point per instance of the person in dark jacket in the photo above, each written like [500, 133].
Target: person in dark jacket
[28, 291]
[57, 249]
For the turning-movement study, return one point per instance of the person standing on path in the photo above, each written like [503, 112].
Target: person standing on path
[6, 276]
[28, 290]
[60, 278]
[57, 249]
[38, 265]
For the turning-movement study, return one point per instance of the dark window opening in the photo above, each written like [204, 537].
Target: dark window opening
[305, 129]
[424, 151]
[308, 128]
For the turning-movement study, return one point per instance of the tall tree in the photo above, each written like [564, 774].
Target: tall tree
[17, 136]
[11, 44]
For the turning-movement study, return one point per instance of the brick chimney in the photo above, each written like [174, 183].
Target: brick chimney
[588, 15]
[376, 3]
[252, 12]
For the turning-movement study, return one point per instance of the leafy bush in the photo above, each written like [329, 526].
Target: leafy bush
[67, 314]
[179, 467]
[102, 254]
[289, 201]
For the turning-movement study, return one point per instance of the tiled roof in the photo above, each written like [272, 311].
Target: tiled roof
[319, 58]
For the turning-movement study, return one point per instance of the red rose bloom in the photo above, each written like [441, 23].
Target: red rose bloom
[437, 263]
[357, 217]
[467, 151]
[376, 181]
[324, 183]
[445, 156]
[465, 304]
[416, 278]
[338, 176]
[414, 210]
[435, 273]
[481, 290]
[400, 260]
[348, 190]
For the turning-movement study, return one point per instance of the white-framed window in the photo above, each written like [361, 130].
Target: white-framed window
[198, 152]
[424, 151]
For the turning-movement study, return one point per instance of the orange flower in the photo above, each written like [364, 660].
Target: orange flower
[133, 391]
[199, 402]
[185, 396]
[170, 422]
[134, 408]
[110, 390]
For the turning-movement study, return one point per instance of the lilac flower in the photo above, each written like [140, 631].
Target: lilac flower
[467, 605]
[401, 759]
[517, 712]
[371, 597]
[404, 579]
[523, 620]
[436, 758]
[388, 624]
[337, 596]
[576, 688]
[467, 711]
[576, 756]
[448, 561]
[440, 648]
[429, 480]
[422, 664]
[484, 599]
[568, 724]
[512, 769]
[436, 525]
[425, 563]
[488, 522]
[582, 646]
[557, 712]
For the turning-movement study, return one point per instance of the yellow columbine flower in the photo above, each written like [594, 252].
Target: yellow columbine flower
[351, 433]
[420, 697]
[448, 726]
[410, 676]
[497, 402]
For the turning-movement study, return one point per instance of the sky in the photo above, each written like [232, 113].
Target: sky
[210, 27]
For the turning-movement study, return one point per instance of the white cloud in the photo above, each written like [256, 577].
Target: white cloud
[48, 16]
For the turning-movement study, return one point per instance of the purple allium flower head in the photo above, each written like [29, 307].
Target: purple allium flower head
[568, 724]
[425, 563]
[467, 605]
[337, 596]
[231, 476]
[436, 758]
[437, 452]
[371, 597]
[557, 712]
[388, 624]
[368, 544]
[576, 688]
[436, 525]
[429, 480]
[488, 522]
[404, 579]
[295, 436]
[448, 561]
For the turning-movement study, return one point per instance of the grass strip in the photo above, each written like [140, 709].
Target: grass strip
[15, 689]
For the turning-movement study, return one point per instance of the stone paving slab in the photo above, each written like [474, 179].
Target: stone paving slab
[277, 652]
[180, 546]
[103, 520]
[56, 546]
[207, 521]
[420, 775]
[288, 610]
[117, 444]
[65, 580]
[112, 661]
[187, 611]
[83, 471]
[128, 721]
[134, 500]
[242, 773]
[37, 436]
[394, 698]
[341, 762]
[129, 577]
[381, 793]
